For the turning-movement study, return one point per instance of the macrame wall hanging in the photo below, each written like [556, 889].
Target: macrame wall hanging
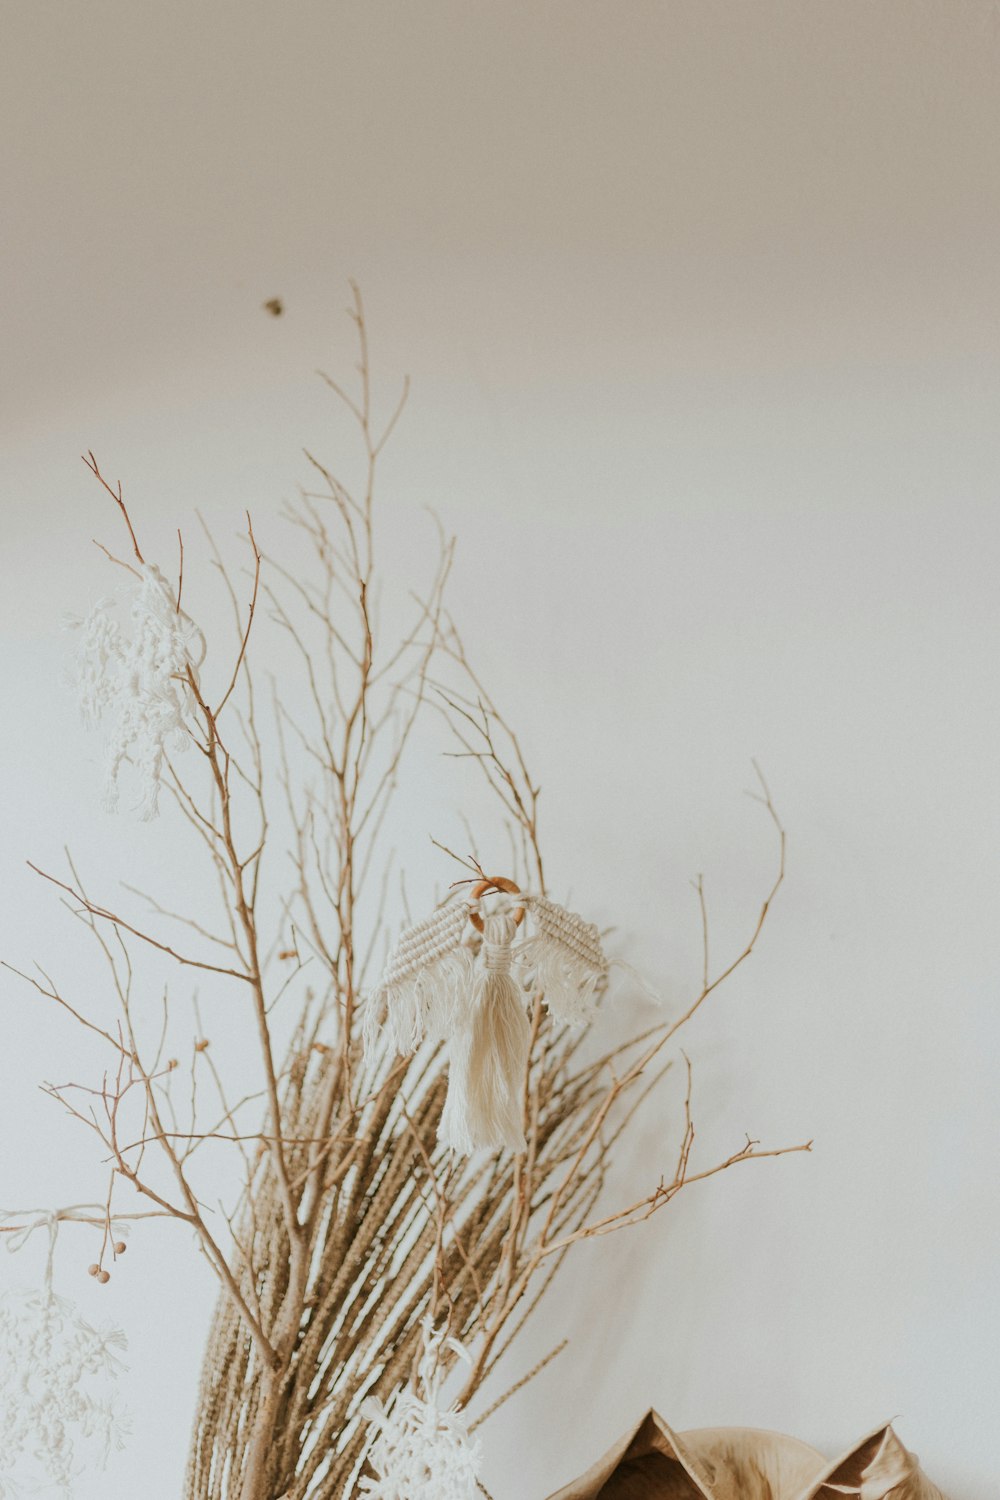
[443, 983]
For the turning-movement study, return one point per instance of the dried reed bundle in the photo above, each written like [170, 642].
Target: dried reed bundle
[361, 1248]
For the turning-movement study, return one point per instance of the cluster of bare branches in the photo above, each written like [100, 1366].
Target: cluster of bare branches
[349, 1225]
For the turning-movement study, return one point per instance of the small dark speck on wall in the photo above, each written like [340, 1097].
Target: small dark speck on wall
[275, 307]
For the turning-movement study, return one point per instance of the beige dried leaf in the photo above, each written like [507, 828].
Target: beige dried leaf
[654, 1463]
[878, 1468]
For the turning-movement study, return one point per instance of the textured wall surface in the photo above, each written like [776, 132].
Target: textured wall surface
[700, 302]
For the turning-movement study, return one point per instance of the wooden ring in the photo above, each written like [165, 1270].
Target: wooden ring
[495, 883]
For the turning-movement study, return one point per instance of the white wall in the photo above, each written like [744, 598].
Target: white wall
[700, 303]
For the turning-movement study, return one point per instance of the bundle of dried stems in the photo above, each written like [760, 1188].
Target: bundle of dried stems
[353, 1225]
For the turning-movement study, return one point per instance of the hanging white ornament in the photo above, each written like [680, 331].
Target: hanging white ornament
[434, 988]
[139, 684]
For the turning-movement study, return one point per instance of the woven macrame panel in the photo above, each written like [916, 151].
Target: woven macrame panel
[426, 942]
[581, 938]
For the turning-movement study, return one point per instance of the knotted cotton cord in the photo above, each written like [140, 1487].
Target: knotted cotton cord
[14, 1239]
[498, 934]
[43, 1218]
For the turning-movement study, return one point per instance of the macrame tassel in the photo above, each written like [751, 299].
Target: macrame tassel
[489, 1057]
[426, 982]
[565, 961]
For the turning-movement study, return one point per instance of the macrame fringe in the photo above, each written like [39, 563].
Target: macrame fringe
[426, 984]
[564, 961]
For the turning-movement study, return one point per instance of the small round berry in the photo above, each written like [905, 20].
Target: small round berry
[94, 1270]
[120, 1247]
[104, 1277]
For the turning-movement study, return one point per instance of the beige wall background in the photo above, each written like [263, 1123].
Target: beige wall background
[700, 301]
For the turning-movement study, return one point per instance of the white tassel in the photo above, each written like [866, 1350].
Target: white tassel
[489, 1058]
[425, 985]
[453, 1129]
[564, 960]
